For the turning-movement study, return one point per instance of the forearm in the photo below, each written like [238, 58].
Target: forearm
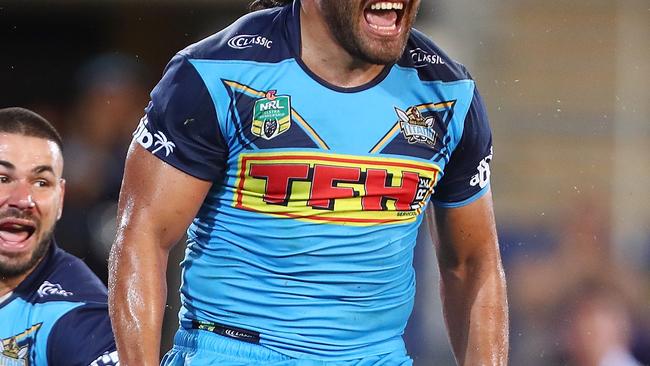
[137, 295]
[476, 312]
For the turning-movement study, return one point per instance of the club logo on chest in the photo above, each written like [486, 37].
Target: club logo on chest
[415, 127]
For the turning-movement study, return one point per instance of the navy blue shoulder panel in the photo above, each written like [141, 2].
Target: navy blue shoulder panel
[262, 36]
[181, 126]
[81, 336]
[468, 171]
[62, 277]
[431, 62]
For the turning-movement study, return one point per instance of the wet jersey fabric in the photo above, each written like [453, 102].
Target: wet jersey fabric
[306, 236]
[57, 316]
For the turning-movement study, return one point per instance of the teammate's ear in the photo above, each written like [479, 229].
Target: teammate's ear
[62, 187]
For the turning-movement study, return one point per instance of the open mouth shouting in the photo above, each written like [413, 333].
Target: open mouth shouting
[15, 234]
[384, 18]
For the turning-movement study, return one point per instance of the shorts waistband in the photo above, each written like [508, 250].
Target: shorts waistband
[209, 341]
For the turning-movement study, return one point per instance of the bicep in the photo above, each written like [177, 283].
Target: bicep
[466, 233]
[157, 199]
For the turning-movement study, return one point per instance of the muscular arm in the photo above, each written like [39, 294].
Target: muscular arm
[473, 287]
[157, 203]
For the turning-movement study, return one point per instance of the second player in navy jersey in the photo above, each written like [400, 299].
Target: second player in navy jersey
[302, 146]
[53, 309]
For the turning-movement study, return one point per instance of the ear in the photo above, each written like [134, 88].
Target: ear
[62, 187]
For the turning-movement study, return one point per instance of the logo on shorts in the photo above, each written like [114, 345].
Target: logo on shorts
[15, 350]
[244, 41]
[271, 115]
[415, 127]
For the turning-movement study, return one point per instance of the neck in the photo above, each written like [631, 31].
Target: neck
[9, 284]
[325, 57]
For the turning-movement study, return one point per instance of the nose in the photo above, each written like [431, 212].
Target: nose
[21, 196]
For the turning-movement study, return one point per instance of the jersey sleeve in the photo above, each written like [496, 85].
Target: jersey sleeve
[83, 337]
[467, 176]
[180, 125]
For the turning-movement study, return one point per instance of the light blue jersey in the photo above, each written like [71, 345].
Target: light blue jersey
[305, 241]
[57, 316]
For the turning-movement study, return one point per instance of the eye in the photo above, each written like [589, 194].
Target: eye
[42, 183]
[4, 179]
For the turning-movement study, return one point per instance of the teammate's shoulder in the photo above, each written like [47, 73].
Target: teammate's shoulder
[67, 278]
[430, 61]
[257, 36]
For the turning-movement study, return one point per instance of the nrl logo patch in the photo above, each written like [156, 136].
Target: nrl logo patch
[271, 115]
[415, 127]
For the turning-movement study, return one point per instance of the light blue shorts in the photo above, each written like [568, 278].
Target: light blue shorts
[203, 348]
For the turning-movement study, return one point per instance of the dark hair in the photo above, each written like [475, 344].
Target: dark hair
[24, 122]
[266, 4]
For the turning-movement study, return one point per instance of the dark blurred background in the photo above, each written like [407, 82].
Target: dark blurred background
[567, 86]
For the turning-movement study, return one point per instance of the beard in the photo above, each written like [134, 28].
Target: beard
[19, 266]
[342, 18]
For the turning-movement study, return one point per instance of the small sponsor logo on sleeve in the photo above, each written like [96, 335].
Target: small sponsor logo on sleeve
[107, 359]
[244, 41]
[483, 177]
[158, 141]
[48, 288]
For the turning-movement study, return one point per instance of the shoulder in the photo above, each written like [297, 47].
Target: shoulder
[68, 278]
[430, 61]
[259, 36]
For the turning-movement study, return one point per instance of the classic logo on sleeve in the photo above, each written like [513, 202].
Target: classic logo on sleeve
[271, 115]
[15, 350]
[153, 142]
[351, 190]
[483, 177]
[244, 41]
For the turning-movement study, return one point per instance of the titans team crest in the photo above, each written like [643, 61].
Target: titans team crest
[415, 127]
[14, 351]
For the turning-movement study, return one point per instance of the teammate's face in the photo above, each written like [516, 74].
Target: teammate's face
[31, 200]
[371, 30]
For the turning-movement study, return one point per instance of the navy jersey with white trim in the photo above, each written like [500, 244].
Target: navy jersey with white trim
[57, 316]
[307, 233]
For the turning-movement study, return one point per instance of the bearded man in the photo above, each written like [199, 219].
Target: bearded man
[300, 148]
[53, 309]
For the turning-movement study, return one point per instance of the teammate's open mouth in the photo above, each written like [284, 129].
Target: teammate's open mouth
[14, 233]
[385, 17]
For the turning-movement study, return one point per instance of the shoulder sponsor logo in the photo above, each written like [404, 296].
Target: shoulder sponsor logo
[271, 115]
[15, 350]
[483, 177]
[156, 140]
[48, 288]
[422, 58]
[244, 41]
[415, 127]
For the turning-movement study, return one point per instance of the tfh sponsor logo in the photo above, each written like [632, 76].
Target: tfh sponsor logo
[334, 188]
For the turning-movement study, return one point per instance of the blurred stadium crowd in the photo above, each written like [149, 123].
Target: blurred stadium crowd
[562, 84]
